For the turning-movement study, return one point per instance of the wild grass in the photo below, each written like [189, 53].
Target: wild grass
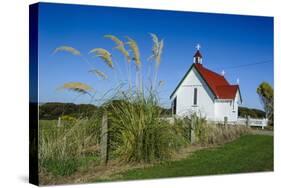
[77, 87]
[104, 55]
[210, 133]
[62, 148]
[217, 133]
[119, 46]
[157, 49]
[135, 51]
[99, 74]
[67, 49]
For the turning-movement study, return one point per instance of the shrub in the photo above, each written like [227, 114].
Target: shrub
[68, 119]
[254, 113]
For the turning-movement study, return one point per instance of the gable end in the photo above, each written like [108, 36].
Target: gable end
[193, 65]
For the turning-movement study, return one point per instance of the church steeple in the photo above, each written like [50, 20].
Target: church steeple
[197, 58]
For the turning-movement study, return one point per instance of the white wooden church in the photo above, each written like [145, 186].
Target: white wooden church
[206, 93]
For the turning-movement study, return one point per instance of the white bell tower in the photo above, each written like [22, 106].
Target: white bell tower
[197, 58]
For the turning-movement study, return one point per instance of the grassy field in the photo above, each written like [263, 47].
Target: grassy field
[250, 153]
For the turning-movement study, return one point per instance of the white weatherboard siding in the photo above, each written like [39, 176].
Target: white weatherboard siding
[227, 108]
[224, 109]
[237, 101]
[205, 99]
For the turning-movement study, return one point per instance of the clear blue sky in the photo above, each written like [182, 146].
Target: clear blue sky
[227, 41]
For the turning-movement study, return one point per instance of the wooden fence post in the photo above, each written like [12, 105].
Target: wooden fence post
[248, 121]
[104, 139]
[192, 129]
[59, 122]
[225, 121]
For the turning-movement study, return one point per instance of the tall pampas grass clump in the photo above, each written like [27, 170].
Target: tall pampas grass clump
[138, 133]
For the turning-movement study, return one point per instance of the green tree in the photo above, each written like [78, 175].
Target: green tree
[265, 92]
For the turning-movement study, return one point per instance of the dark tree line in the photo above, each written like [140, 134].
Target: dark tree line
[51, 111]
[54, 110]
[253, 113]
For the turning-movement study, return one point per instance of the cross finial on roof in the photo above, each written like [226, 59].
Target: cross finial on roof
[198, 46]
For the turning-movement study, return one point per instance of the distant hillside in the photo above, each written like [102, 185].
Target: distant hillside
[254, 113]
[53, 110]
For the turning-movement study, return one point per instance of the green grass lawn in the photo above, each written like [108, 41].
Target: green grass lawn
[251, 153]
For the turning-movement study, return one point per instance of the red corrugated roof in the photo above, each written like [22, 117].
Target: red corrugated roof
[217, 83]
[227, 92]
